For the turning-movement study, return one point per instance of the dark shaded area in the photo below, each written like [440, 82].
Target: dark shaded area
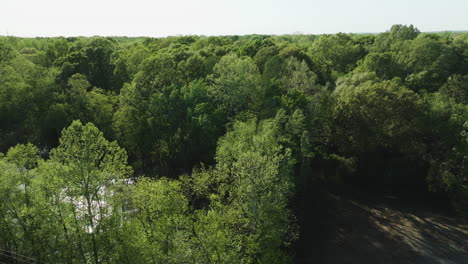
[390, 174]
[378, 229]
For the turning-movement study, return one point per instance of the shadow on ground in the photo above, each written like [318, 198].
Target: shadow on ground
[370, 230]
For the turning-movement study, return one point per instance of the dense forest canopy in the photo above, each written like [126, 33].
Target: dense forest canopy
[197, 149]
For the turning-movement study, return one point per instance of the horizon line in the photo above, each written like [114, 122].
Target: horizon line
[298, 33]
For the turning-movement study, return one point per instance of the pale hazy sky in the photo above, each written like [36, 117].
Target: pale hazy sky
[221, 17]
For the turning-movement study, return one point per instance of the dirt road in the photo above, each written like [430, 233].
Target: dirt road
[388, 230]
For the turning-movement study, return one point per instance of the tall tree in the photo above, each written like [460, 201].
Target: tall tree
[81, 179]
[236, 86]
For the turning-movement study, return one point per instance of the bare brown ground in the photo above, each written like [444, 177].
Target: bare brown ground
[389, 231]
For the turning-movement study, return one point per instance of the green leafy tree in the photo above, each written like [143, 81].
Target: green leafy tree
[298, 77]
[81, 178]
[370, 113]
[393, 39]
[6, 51]
[339, 52]
[428, 62]
[236, 86]
[264, 54]
[383, 64]
[128, 61]
[20, 224]
[91, 58]
[248, 213]
[161, 223]
[133, 121]
[26, 91]
[447, 156]
[457, 88]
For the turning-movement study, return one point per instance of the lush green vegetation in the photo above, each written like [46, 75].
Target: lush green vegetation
[210, 149]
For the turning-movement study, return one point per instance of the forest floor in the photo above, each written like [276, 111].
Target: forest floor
[365, 229]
